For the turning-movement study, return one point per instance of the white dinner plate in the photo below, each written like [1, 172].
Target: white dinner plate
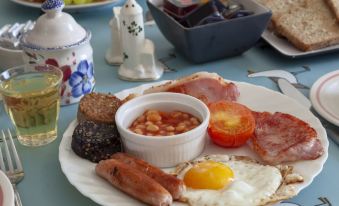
[283, 46]
[70, 7]
[81, 172]
[324, 96]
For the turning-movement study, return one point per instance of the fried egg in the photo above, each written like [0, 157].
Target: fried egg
[219, 180]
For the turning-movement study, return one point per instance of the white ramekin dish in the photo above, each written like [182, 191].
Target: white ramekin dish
[166, 151]
[7, 190]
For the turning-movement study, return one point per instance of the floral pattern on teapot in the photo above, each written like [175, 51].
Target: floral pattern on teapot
[78, 77]
[81, 80]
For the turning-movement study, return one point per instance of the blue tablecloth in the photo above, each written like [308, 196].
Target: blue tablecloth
[45, 184]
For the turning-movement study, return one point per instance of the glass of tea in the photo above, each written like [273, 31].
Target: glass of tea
[31, 97]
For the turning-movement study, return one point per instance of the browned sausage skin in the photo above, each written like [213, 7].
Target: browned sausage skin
[172, 184]
[133, 182]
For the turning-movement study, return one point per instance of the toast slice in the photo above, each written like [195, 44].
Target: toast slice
[309, 27]
[334, 5]
[280, 7]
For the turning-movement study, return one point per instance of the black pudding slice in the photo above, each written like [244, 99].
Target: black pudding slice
[96, 141]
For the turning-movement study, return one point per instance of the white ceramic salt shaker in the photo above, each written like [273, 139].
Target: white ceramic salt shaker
[114, 52]
[139, 62]
[57, 39]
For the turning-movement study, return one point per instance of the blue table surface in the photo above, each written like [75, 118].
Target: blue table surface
[45, 184]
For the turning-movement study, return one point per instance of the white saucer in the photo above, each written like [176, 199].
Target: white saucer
[324, 96]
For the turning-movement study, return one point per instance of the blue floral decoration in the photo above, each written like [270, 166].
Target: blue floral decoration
[52, 4]
[81, 80]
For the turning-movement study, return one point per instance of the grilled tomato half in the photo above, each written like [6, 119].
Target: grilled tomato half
[231, 124]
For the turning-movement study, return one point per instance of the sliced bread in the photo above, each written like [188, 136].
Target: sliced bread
[280, 7]
[334, 5]
[309, 27]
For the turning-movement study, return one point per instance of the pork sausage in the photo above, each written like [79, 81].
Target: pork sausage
[133, 182]
[172, 184]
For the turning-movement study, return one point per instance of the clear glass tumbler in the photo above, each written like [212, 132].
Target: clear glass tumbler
[31, 98]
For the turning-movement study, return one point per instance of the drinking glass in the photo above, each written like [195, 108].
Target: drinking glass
[31, 98]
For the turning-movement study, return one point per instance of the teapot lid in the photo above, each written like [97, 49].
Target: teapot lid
[54, 29]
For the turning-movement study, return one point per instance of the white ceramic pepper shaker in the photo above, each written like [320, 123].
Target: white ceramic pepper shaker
[139, 62]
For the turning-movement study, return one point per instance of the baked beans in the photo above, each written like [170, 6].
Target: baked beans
[158, 123]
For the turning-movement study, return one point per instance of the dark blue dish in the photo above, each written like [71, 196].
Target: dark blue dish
[215, 40]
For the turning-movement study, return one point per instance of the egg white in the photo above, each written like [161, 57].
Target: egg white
[253, 183]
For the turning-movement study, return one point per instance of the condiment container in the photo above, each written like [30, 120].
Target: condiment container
[178, 9]
[57, 39]
[207, 13]
[10, 58]
[163, 151]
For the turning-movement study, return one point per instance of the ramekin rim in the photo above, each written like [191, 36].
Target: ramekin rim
[203, 124]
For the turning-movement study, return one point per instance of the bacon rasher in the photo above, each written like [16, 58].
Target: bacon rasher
[208, 87]
[281, 137]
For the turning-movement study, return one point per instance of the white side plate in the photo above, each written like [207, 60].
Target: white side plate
[7, 190]
[324, 96]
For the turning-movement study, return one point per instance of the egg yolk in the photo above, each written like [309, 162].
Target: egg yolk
[208, 175]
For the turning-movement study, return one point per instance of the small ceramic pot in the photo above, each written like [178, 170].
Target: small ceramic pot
[10, 58]
[58, 40]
